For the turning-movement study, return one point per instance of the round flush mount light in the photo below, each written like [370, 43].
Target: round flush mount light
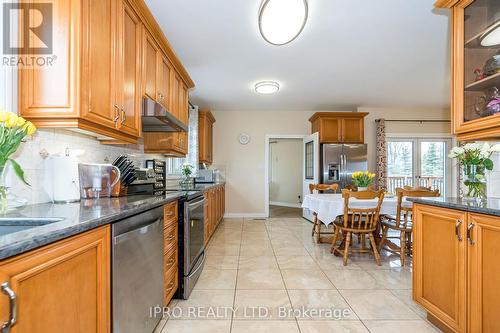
[267, 87]
[491, 37]
[281, 21]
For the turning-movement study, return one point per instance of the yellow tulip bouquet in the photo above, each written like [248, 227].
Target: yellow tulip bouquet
[13, 130]
[363, 178]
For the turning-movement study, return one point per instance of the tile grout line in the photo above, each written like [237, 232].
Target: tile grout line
[282, 278]
[236, 282]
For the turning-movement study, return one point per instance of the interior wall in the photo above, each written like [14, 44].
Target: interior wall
[243, 165]
[285, 164]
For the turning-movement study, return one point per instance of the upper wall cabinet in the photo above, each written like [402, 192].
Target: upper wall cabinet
[109, 54]
[475, 84]
[339, 127]
[205, 136]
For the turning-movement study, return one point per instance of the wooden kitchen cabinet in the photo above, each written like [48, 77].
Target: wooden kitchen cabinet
[171, 253]
[455, 268]
[206, 121]
[483, 273]
[108, 55]
[214, 209]
[129, 81]
[471, 19]
[339, 127]
[93, 40]
[439, 264]
[62, 287]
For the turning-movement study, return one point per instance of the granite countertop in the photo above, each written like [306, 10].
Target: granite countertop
[488, 207]
[200, 186]
[76, 218]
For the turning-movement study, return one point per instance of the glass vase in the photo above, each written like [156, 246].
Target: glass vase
[4, 202]
[186, 183]
[474, 183]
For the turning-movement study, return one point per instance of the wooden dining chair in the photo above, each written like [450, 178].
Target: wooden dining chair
[354, 188]
[320, 188]
[359, 221]
[417, 188]
[402, 222]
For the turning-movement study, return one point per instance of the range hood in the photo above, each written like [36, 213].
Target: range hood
[156, 118]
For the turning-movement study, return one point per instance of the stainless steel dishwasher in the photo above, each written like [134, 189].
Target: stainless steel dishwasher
[137, 271]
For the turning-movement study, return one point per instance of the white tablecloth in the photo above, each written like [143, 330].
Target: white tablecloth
[329, 206]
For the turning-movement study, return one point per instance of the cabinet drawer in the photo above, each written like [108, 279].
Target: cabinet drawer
[170, 238]
[170, 259]
[170, 284]
[170, 213]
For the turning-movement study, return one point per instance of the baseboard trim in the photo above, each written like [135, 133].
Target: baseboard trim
[285, 204]
[245, 215]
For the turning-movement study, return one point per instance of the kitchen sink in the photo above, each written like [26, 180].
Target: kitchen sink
[9, 225]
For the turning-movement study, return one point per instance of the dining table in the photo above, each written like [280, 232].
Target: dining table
[327, 206]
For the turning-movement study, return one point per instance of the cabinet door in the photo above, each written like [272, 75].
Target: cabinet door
[209, 146]
[100, 104]
[63, 287]
[129, 58]
[164, 70]
[149, 66]
[183, 103]
[352, 130]
[484, 273]
[330, 130]
[38, 95]
[202, 139]
[174, 94]
[439, 259]
[181, 142]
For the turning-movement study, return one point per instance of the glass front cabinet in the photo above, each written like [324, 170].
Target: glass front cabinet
[475, 84]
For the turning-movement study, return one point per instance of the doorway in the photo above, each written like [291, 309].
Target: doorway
[283, 187]
[419, 162]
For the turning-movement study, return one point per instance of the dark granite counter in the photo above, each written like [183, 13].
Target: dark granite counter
[75, 218]
[488, 207]
[200, 186]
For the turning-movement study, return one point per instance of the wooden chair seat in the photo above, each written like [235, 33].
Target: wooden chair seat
[320, 188]
[391, 222]
[358, 221]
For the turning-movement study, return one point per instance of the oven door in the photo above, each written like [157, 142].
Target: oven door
[194, 232]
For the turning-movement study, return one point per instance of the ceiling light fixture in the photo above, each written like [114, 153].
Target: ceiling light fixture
[492, 36]
[267, 87]
[281, 21]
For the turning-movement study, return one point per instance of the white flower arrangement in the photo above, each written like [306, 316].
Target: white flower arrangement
[187, 169]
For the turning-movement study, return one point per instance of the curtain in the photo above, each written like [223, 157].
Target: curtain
[381, 155]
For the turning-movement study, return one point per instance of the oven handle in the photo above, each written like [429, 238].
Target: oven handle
[197, 203]
[199, 266]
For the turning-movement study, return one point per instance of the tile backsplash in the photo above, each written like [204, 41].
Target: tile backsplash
[55, 141]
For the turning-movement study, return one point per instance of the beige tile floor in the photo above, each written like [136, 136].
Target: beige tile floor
[260, 274]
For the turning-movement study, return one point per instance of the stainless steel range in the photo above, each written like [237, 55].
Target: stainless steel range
[191, 241]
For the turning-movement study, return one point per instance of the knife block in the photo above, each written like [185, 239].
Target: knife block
[119, 190]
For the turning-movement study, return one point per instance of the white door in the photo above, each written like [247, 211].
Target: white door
[311, 168]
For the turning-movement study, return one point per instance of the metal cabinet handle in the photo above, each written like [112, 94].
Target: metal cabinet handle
[469, 233]
[170, 286]
[170, 237]
[170, 262]
[12, 306]
[124, 115]
[117, 114]
[170, 213]
[457, 230]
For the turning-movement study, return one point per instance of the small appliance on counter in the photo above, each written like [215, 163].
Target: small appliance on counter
[61, 178]
[97, 180]
[207, 176]
[144, 182]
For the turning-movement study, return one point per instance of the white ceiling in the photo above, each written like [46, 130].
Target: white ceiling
[380, 53]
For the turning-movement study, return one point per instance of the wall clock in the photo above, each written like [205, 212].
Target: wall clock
[244, 138]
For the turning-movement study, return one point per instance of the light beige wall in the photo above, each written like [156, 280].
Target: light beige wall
[243, 166]
[285, 159]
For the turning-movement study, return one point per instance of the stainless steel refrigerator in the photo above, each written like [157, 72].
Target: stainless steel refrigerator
[339, 161]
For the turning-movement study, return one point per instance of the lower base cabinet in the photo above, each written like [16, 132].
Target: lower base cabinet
[170, 252]
[62, 287]
[214, 209]
[455, 268]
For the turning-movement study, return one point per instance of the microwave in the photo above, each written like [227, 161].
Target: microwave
[206, 176]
